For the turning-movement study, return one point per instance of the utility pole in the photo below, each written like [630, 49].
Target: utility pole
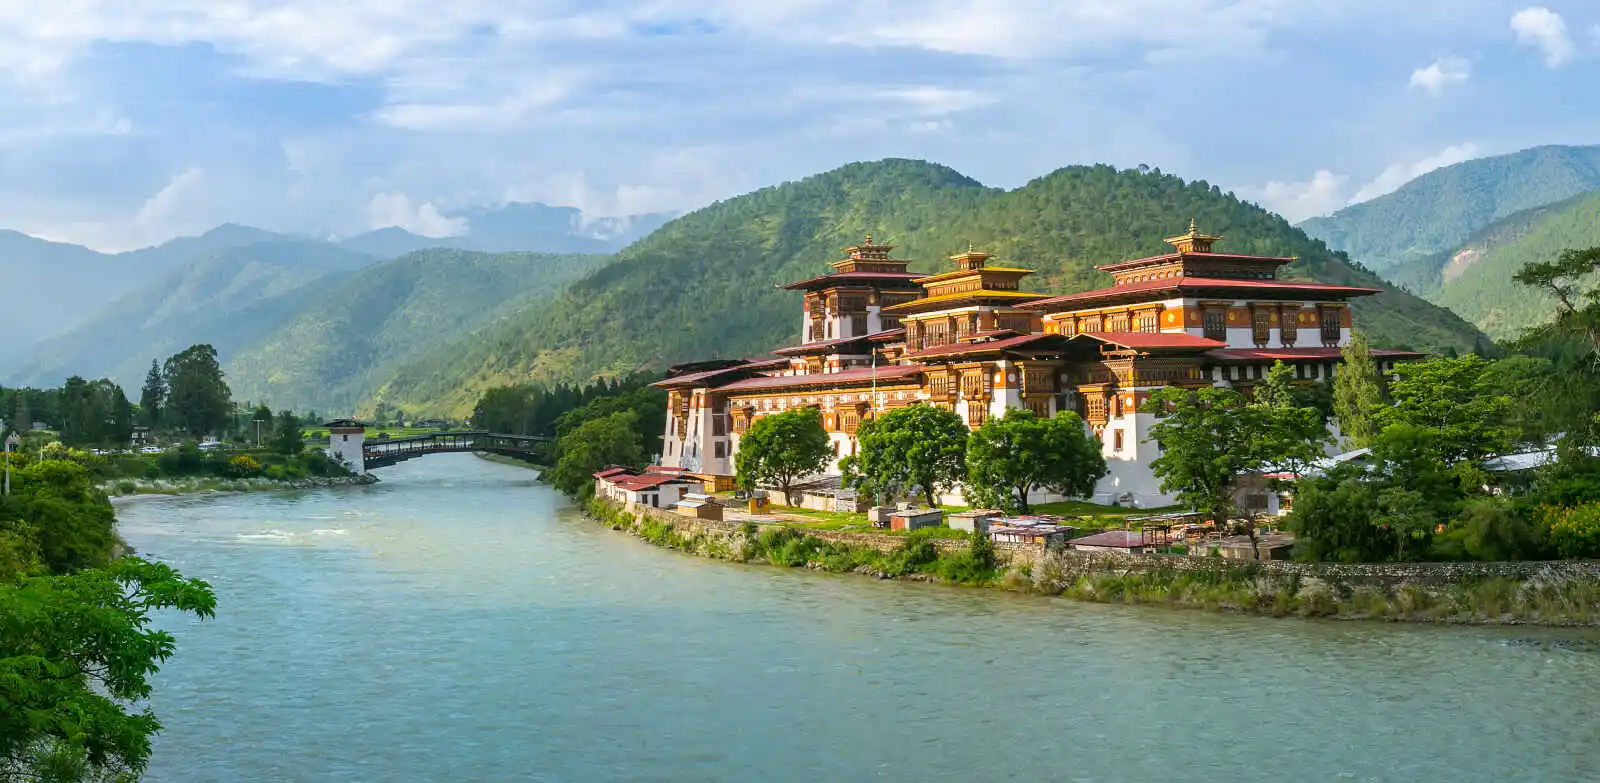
[11, 442]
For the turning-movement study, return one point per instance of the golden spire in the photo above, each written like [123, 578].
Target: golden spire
[1194, 241]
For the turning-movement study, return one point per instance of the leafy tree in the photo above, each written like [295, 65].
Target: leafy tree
[780, 449]
[1212, 437]
[1333, 519]
[1010, 457]
[1530, 381]
[198, 399]
[918, 446]
[287, 438]
[1451, 401]
[76, 656]
[1358, 398]
[153, 397]
[598, 442]
[1569, 279]
[261, 422]
[1277, 389]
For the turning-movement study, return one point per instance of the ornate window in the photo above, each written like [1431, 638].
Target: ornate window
[1330, 326]
[1148, 321]
[1118, 323]
[1216, 324]
[1261, 327]
[1289, 331]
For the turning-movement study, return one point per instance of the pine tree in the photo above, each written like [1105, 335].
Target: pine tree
[1358, 394]
[153, 397]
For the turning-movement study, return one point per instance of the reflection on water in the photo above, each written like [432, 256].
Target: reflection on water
[459, 622]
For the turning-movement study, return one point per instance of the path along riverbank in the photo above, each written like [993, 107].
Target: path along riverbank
[1561, 593]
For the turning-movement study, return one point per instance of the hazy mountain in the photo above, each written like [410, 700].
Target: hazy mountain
[704, 285]
[1474, 279]
[348, 337]
[226, 297]
[1438, 211]
[517, 227]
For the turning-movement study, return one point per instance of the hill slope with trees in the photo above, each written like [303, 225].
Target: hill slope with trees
[705, 285]
[1475, 279]
[1438, 211]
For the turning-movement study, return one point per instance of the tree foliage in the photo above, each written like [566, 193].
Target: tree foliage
[779, 449]
[152, 397]
[198, 399]
[93, 412]
[612, 439]
[916, 448]
[1358, 396]
[1212, 437]
[1451, 402]
[1011, 457]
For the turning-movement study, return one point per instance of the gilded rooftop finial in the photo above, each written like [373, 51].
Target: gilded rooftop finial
[1193, 229]
[869, 240]
[1194, 241]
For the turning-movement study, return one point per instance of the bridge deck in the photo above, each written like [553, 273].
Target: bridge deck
[389, 451]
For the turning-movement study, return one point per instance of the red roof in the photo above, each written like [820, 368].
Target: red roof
[649, 481]
[1179, 285]
[824, 345]
[1299, 354]
[1154, 340]
[665, 470]
[1165, 257]
[847, 278]
[964, 349]
[609, 472]
[700, 378]
[862, 375]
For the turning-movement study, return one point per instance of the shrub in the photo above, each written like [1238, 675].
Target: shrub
[1493, 529]
[1575, 532]
[243, 466]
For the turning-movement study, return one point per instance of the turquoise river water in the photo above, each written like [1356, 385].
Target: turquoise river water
[460, 621]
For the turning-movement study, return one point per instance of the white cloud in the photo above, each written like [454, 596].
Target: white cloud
[395, 209]
[1444, 72]
[1395, 175]
[1296, 201]
[1545, 29]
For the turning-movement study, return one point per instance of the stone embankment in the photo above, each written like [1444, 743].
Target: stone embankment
[1563, 593]
[121, 489]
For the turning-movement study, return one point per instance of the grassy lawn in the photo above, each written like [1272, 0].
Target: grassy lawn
[841, 520]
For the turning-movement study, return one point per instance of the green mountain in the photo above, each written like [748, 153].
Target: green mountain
[704, 285]
[1474, 279]
[1438, 211]
[347, 339]
[228, 297]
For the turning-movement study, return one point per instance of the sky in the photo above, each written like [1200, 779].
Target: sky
[126, 122]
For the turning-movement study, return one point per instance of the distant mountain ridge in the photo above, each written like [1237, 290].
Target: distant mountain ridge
[704, 285]
[53, 287]
[1474, 279]
[1438, 211]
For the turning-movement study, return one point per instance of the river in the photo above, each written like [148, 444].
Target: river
[460, 621]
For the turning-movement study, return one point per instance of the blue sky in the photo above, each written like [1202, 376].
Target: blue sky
[127, 122]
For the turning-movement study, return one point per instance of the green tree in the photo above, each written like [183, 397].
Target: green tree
[1358, 398]
[261, 424]
[198, 399]
[593, 445]
[916, 447]
[1212, 437]
[1451, 401]
[287, 438]
[153, 397]
[779, 449]
[1011, 457]
[1277, 389]
[76, 656]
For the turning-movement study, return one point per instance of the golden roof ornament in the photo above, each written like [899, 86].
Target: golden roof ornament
[1194, 241]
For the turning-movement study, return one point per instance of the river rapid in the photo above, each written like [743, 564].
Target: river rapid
[461, 621]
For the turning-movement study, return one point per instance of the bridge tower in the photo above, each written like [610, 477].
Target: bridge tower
[346, 437]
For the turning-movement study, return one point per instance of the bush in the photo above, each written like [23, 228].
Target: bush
[1494, 529]
[1575, 532]
[243, 466]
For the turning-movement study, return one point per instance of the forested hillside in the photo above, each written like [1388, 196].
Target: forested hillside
[705, 285]
[228, 297]
[347, 340]
[1438, 211]
[1475, 279]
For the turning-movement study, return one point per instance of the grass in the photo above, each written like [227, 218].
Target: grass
[850, 522]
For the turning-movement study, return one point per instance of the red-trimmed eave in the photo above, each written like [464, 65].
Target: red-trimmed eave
[638, 483]
[611, 472]
[862, 375]
[965, 349]
[863, 278]
[703, 378]
[1246, 355]
[1170, 257]
[823, 346]
[1153, 341]
[1182, 285]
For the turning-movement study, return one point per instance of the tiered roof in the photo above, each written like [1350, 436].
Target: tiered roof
[972, 282]
[867, 264]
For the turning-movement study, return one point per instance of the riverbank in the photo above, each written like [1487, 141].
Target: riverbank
[1551, 594]
[124, 490]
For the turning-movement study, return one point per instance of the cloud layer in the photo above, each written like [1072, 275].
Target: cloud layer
[124, 122]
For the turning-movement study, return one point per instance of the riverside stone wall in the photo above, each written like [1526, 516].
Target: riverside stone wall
[1027, 555]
